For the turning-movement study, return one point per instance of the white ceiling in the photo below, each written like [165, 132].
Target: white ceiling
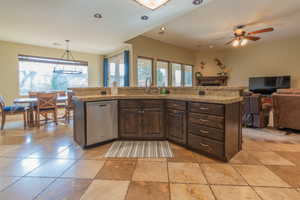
[44, 22]
[212, 24]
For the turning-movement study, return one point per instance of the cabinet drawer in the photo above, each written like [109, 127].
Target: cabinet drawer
[151, 103]
[177, 105]
[205, 131]
[207, 120]
[130, 104]
[204, 144]
[206, 108]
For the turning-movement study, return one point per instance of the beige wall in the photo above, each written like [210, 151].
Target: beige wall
[265, 59]
[9, 83]
[210, 68]
[273, 58]
[147, 47]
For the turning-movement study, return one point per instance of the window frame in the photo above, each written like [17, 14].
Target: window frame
[51, 61]
[170, 75]
[152, 69]
[117, 69]
[168, 72]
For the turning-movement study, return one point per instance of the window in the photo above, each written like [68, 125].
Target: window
[176, 75]
[144, 71]
[48, 74]
[188, 75]
[116, 70]
[162, 73]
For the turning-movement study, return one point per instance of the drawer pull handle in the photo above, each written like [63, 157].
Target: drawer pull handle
[203, 108]
[203, 120]
[206, 146]
[203, 131]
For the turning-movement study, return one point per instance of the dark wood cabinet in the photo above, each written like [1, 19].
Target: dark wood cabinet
[176, 126]
[141, 119]
[208, 128]
[214, 129]
[129, 122]
[152, 123]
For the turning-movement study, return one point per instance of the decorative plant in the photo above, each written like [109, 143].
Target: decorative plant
[222, 67]
[202, 64]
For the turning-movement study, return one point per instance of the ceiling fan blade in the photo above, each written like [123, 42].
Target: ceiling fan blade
[261, 31]
[230, 42]
[252, 38]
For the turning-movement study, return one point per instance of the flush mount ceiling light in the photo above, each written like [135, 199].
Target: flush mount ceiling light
[152, 4]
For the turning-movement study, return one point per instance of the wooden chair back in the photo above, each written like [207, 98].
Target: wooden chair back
[61, 93]
[69, 101]
[47, 100]
[32, 94]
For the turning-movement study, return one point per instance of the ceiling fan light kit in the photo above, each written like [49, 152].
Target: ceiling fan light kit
[241, 37]
[152, 4]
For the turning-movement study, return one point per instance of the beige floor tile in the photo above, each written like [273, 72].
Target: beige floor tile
[244, 157]
[4, 162]
[204, 159]
[234, 192]
[182, 155]
[282, 147]
[190, 192]
[151, 171]
[52, 168]
[25, 189]
[249, 145]
[117, 170]
[154, 191]
[185, 173]
[65, 189]
[222, 174]
[22, 167]
[50, 151]
[106, 190]
[73, 152]
[6, 181]
[294, 157]
[260, 176]
[84, 169]
[289, 174]
[277, 193]
[270, 158]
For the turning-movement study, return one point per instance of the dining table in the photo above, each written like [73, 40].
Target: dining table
[30, 102]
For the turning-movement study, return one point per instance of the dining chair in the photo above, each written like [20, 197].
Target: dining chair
[46, 103]
[11, 110]
[69, 106]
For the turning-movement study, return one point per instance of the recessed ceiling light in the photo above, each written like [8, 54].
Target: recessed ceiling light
[144, 17]
[197, 2]
[98, 15]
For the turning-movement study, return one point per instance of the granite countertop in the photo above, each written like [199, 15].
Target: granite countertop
[196, 98]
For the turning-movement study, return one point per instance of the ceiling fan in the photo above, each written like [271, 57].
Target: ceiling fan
[241, 37]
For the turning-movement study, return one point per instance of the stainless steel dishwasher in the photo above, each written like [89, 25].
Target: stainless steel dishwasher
[102, 121]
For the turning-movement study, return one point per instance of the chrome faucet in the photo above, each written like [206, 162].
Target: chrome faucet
[148, 87]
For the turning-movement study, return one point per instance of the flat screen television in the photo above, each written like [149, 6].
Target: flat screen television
[269, 85]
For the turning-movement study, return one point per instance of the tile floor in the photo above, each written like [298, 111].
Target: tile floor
[46, 164]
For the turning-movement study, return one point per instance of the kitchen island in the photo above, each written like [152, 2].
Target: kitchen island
[210, 125]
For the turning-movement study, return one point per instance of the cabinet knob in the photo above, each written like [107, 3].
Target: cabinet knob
[208, 148]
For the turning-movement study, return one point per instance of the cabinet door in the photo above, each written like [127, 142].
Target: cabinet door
[152, 123]
[129, 123]
[176, 123]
